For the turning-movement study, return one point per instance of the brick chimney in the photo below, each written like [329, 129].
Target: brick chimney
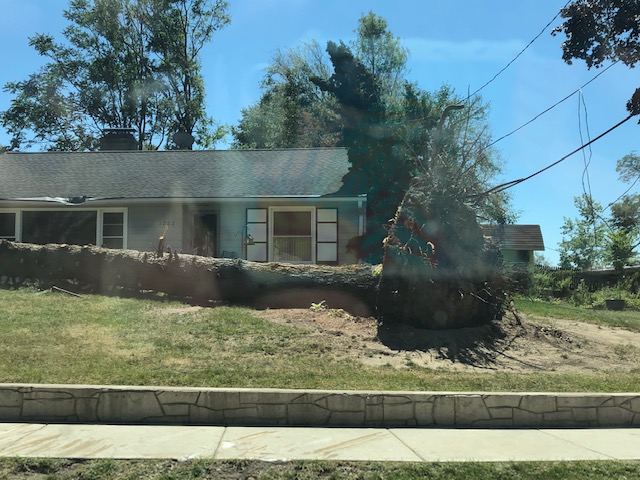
[118, 139]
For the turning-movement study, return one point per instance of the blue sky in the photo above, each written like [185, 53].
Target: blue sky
[463, 43]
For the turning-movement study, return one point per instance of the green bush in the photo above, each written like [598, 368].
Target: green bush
[582, 296]
[632, 300]
[547, 283]
[541, 283]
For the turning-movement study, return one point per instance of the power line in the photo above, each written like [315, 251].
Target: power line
[521, 52]
[586, 180]
[513, 183]
[551, 107]
[624, 193]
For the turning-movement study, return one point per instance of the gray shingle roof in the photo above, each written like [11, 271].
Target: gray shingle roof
[173, 174]
[515, 237]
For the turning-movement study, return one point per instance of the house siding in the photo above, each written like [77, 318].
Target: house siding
[145, 223]
[232, 221]
[516, 257]
[148, 222]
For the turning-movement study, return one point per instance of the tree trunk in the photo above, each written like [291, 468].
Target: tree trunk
[194, 278]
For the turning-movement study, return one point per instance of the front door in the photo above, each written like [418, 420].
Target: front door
[205, 235]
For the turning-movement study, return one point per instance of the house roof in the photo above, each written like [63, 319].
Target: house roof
[515, 237]
[174, 174]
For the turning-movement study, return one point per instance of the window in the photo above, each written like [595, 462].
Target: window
[112, 229]
[293, 231]
[8, 226]
[255, 239]
[72, 227]
[522, 256]
[327, 235]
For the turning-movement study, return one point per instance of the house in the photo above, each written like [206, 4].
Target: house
[516, 242]
[262, 205]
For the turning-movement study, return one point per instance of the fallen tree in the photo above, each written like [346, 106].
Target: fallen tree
[409, 289]
[438, 270]
[194, 278]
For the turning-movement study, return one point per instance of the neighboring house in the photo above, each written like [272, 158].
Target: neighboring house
[262, 205]
[516, 242]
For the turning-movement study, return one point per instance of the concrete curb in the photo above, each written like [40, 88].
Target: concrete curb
[275, 407]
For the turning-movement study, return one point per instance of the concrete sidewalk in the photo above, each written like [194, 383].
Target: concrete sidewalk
[298, 443]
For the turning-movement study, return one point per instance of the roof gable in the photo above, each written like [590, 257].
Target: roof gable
[174, 174]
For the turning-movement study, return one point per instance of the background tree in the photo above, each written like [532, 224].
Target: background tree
[101, 76]
[625, 214]
[600, 30]
[628, 168]
[583, 238]
[292, 111]
[180, 29]
[295, 112]
[539, 259]
[369, 139]
[619, 250]
[593, 241]
[382, 54]
[116, 67]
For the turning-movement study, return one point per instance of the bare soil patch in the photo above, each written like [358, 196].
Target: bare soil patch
[529, 345]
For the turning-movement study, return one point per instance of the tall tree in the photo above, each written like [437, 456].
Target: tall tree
[292, 111]
[180, 29]
[619, 251]
[382, 54]
[600, 30]
[584, 237]
[391, 143]
[307, 114]
[101, 76]
[625, 214]
[454, 150]
[113, 69]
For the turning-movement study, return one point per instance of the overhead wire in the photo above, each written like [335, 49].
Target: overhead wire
[624, 193]
[586, 181]
[559, 102]
[521, 51]
[513, 183]
[510, 184]
[585, 176]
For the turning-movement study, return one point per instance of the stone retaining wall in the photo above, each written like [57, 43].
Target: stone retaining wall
[225, 406]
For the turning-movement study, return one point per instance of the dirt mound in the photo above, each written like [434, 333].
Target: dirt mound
[511, 344]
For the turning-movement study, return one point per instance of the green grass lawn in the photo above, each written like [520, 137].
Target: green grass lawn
[54, 338]
[629, 319]
[311, 470]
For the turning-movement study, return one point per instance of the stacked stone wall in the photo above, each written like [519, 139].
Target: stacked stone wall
[204, 406]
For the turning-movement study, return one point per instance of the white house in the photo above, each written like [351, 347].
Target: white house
[263, 205]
